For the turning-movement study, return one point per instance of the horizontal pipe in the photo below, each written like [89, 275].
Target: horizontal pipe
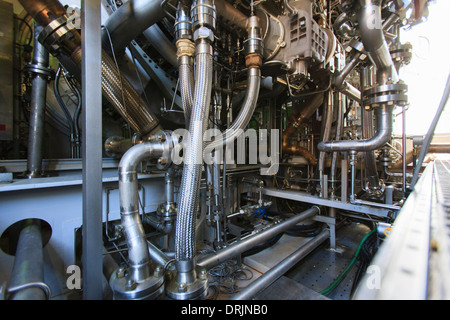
[248, 243]
[384, 126]
[281, 268]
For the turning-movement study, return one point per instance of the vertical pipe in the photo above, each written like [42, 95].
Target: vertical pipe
[38, 100]
[366, 80]
[344, 177]
[92, 150]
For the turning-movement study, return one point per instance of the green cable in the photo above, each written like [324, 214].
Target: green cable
[347, 269]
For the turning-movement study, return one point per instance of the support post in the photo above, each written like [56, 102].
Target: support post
[92, 150]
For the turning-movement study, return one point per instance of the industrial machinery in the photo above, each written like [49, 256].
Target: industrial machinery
[175, 149]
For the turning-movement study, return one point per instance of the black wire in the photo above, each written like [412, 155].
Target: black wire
[29, 27]
[61, 102]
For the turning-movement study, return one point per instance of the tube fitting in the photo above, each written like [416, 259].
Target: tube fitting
[253, 44]
[203, 14]
[183, 23]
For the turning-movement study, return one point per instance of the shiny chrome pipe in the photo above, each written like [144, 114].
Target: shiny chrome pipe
[138, 254]
[281, 268]
[241, 246]
[185, 58]
[193, 160]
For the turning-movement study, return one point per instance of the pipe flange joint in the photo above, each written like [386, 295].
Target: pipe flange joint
[54, 33]
[390, 94]
[39, 70]
[167, 140]
[203, 14]
[194, 290]
[127, 289]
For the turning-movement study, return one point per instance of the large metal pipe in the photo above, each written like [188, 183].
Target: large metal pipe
[130, 20]
[138, 254]
[239, 247]
[375, 45]
[297, 118]
[281, 268]
[43, 11]
[384, 131]
[40, 73]
[125, 99]
[230, 15]
[367, 131]
[161, 44]
[27, 278]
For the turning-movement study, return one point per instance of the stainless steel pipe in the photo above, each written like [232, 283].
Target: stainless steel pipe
[239, 247]
[372, 36]
[281, 268]
[384, 132]
[138, 254]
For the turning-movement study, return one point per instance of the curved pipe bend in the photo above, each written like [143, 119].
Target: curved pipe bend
[372, 37]
[130, 20]
[245, 114]
[139, 258]
[384, 132]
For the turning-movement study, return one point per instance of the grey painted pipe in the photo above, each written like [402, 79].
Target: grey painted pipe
[138, 254]
[281, 268]
[239, 247]
[161, 44]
